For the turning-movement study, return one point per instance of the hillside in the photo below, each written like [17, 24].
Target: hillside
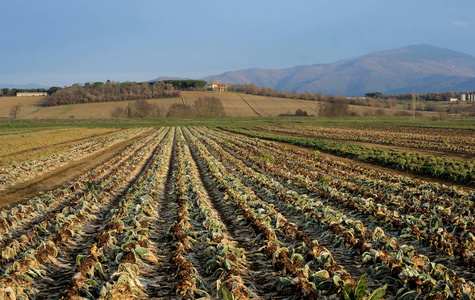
[235, 105]
[423, 68]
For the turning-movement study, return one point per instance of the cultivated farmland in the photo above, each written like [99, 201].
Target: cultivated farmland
[235, 105]
[192, 212]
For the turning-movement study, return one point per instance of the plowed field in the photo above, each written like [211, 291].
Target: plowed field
[190, 212]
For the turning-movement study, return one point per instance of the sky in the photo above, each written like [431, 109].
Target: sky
[59, 43]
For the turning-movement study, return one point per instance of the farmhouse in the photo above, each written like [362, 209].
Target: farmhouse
[216, 86]
[31, 94]
[467, 96]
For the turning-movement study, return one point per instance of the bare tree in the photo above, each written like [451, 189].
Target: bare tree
[334, 109]
[208, 107]
[144, 109]
[117, 112]
[15, 110]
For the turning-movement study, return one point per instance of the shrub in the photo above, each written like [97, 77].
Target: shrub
[301, 113]
[403, 113]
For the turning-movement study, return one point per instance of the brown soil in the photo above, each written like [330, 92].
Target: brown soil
[25, 190]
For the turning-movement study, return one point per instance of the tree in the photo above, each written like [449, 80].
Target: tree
[117, 112]
[144, 109]
[301, 113]
[208, 107]
[186, 85]
[53, 90]
[334, 109]
[15, 110]
[374, 95]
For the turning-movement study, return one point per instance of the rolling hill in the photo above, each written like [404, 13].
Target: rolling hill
[423, 68]
[235, 105]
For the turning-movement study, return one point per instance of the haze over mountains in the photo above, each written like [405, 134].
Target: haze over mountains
[423, 68]
[23, 86]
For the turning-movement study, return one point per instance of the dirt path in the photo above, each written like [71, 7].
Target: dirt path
[22, 191]
[160, 277]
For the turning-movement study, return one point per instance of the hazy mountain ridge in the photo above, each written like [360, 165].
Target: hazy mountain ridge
[423, 68]
[23, 86]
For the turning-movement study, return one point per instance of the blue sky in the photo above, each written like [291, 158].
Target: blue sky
[76, 41]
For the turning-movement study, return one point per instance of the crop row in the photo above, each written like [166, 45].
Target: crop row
[29, 169]
[124, 240]
[164, 217]
[449, 168]
[224, 261]
[310, 268]
[444, 226]
[40, 247]
[17, 218]
[354, 234]
[458, 141]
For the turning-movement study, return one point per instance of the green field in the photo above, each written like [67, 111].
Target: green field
[10, 126]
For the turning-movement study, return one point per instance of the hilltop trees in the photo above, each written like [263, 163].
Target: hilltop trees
[6, 92]
[111, 91]
[186, 85]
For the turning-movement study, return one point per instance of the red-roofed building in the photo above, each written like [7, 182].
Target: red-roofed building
[217, 86]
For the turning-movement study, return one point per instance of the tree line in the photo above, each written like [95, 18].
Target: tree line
[375, 99]
[187, 84]
[207, 107]
[111, 91]
[253, 89]
[432, 96]
[6, 92]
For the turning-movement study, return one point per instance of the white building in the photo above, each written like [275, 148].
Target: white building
[217, 86]
[467, 96]
[31, 94]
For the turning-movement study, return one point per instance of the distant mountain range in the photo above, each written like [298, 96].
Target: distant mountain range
[23, 86]
[423, 68]
[162, 78]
